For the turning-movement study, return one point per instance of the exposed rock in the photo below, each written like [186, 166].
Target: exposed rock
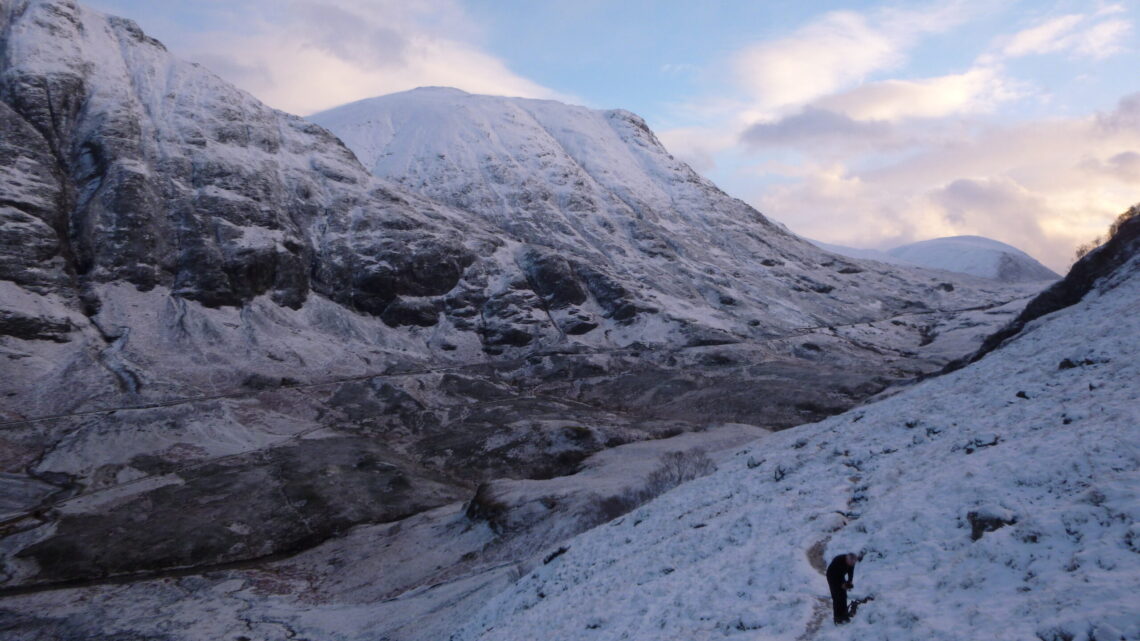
[13, 323]
[423, 312]
[989, 520]
[31, 207]
[291, 498]
[610, 294]
[553, 278]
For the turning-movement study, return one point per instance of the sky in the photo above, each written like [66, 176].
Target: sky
[866, 124]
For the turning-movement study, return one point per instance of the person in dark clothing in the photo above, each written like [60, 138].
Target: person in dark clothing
[841, 578]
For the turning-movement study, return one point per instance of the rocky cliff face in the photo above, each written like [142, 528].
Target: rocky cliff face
[134, 167]
[222, 338]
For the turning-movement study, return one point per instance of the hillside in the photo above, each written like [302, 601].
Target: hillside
[598, 186]
[996, 502]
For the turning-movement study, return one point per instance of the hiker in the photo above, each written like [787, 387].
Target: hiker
[841, 578]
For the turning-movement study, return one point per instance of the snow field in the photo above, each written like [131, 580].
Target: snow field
[1043, 457]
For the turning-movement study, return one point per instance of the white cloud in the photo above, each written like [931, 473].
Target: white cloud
[903, 159]
[1043, 38]
[977, 90]
[1095, 37]
[304, 56]
[1043, 186]
[1102, 40]
[839, 49]
[814, 128]
[836, 51]
[680, 68]
[696, 146]
[1124, 165]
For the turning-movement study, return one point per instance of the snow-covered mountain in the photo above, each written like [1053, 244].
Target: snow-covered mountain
[974, 255]
[599, 187]
[1000, 502]
[224, 340]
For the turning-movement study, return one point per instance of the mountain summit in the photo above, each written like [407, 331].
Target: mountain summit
[974, 255]
[978, 256]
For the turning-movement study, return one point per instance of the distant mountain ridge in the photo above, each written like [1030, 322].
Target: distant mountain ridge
[974, 255]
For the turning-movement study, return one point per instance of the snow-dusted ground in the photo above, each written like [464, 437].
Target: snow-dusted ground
[415, 579]
[1018, 437]
[866, 254]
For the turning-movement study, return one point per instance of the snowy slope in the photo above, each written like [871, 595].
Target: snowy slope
[998, 502]
[975, 255]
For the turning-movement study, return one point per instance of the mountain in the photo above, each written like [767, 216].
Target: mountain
[977, 256]
[599, 187]
[225, 342]
[974, 255]
[998, 502]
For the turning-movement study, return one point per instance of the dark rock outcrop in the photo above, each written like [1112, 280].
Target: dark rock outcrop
[291, 498]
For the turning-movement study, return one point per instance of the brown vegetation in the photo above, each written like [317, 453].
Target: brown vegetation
[1085, 248]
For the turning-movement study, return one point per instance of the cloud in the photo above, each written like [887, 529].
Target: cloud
[681, 68]
[815, 128]
[1096, 37]
[977, 90]
[304, 56]
[1125, 118]
[835, 51]
[1124, 166]
[1044, 186]
[828, 146]
[1043, 38]
[832, 204]
[1105, 39]
[696, 146]
[851, 209]
[986, 203]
